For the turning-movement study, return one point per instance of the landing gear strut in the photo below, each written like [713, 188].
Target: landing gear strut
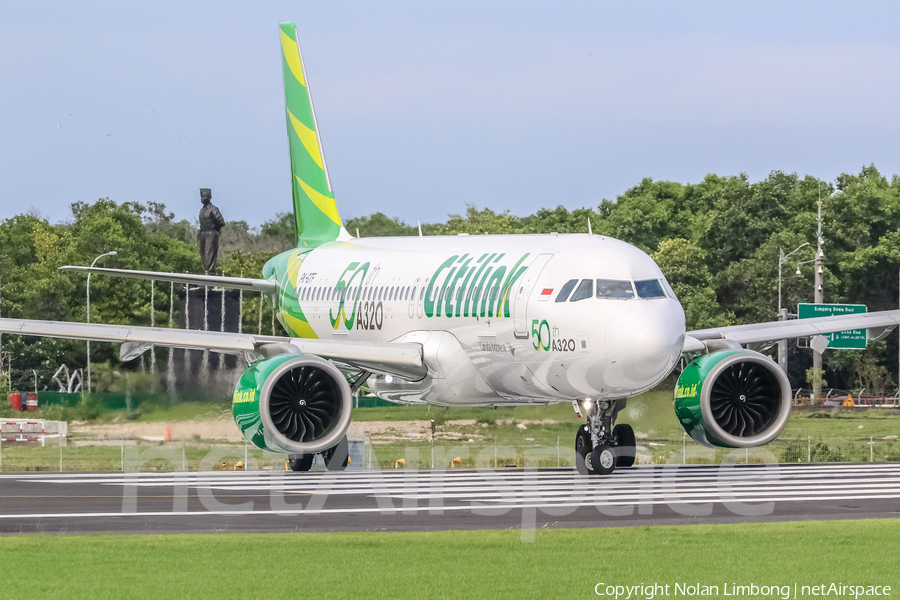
[600, 447]
[336, 458]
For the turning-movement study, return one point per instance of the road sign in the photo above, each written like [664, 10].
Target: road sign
[853, 339]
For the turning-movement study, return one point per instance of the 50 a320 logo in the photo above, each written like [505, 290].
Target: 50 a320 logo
[546, 339]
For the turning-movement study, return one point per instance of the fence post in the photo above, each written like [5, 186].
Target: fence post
[1, 453]
[60, 454]
[557, 452]
[123, 453]
[245, 441]
[183, 458]
[871, 449]
[809, 449]
[683, 448]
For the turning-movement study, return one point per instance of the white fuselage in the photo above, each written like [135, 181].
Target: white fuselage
[488, 313]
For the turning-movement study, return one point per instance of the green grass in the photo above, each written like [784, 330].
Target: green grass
[561, 563]
[187, 411]
[837, 422]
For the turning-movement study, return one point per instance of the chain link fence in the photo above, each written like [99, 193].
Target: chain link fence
[132, 455]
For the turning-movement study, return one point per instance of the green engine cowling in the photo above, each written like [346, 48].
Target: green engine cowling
[733, 399]
[292, 404]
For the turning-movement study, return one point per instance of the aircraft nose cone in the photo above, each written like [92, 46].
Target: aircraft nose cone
[643, 345]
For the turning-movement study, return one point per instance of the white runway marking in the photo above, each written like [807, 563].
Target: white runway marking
[489, 491]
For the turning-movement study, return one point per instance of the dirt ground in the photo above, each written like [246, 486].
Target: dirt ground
[224, 429]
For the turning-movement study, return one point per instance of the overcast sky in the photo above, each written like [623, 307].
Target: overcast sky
[425, 106]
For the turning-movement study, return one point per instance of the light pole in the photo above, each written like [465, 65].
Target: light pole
[819, 297]
[782, 258]
[111, 253]
[782, 314]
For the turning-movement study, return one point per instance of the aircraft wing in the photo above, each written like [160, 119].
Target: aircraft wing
[401, 359]
[759, 336]
[239, 283]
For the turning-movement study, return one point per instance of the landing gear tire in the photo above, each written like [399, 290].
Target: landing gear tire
[623, 434]
[583, 451]
[300, 462]
[338, 457]
[603, 459]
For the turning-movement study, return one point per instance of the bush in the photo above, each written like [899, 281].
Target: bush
[56, 412]
[486, 420]
[440, 417]
[800, 450]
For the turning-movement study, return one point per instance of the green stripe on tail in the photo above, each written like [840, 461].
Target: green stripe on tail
[315, 211]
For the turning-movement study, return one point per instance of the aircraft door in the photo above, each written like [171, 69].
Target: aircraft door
[412, 299]
[420, 299]
[523, 293]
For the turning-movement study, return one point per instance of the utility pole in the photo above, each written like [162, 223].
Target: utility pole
[782, 316]
[818, 299]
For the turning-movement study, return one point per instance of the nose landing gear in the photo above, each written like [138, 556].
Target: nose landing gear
[600, 447]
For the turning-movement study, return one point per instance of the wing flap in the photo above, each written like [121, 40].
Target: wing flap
[238, 283]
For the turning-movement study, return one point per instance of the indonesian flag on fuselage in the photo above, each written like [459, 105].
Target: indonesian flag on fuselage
[545, 294]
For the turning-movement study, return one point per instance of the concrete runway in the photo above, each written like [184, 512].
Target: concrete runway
[443, 500]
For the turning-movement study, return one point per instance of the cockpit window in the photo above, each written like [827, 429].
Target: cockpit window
[649, 288]
[607, 288]
[584, 290]
[669, 291]
[566, 290]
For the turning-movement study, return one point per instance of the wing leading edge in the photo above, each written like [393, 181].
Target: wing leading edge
[762, 335]
[400, 359]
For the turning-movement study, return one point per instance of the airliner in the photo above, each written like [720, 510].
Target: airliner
[468, 320]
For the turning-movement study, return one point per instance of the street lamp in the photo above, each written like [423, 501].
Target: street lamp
[782, 258]
[111, 253]
[804, 263]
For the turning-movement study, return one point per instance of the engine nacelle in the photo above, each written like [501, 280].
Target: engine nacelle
[733, 399]
[292, 404]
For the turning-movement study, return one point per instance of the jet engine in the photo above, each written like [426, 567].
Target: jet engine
[733, 399]
[292, 404]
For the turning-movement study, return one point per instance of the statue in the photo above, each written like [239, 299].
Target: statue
[211, 223]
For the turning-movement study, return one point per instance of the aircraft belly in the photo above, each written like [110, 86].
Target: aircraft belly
[452, 378]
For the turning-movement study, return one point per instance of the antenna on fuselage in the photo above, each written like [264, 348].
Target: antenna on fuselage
[589, 227]
[419, 223]
[357, 233]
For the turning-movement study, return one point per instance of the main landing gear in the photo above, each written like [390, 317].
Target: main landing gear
[336, 458]
[600, 447]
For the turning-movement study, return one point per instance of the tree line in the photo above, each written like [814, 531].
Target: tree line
[717, 241]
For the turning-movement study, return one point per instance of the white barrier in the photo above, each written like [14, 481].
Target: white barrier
[22, 431]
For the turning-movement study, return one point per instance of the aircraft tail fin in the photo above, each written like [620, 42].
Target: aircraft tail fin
[315, 210]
